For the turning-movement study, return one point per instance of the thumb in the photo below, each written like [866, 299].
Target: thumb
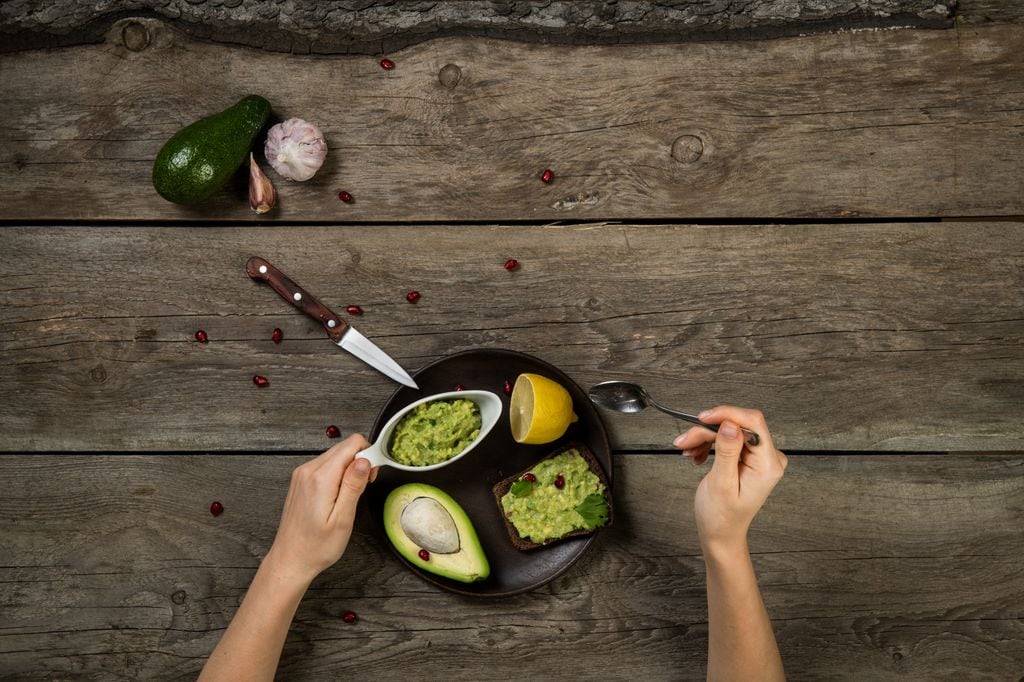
[353, 483]
[728, 446]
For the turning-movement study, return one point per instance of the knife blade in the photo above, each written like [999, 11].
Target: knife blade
[344, 335]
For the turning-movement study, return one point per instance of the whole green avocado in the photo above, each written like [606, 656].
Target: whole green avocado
[201, 158]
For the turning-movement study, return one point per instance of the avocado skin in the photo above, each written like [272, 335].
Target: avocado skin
[201, 158]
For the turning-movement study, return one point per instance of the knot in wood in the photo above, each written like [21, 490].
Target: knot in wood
[179, 597]
[687, 149]
[135, 36]
[449, 75]
[98, 374]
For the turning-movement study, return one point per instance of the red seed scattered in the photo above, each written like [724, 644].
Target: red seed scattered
[216, 508]
[387, 64]
[460, 387]
[529, 477]
[508, 388]
[345, 196]
[349, 617]
[260, 381]
[201, 336]
[412, 296]
[547, 176]
[511, 264]
[425, 555]
[354, 310]
[559, 481]
[276, 335]
[333, 431]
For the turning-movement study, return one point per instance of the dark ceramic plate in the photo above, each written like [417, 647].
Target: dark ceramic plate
[469, 480]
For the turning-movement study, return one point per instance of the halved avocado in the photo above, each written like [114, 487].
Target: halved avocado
[418, 516]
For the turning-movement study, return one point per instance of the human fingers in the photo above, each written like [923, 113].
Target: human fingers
[728, 446]
[331, 464]
[752, 420]
[695, 444]
[694, 437]
[353, 483]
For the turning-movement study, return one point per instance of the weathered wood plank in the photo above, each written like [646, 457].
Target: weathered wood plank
[318, 27]
[862, 336]
[886, 123]
[112, 567]
[985, 11]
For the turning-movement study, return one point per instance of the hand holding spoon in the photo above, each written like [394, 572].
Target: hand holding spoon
[624, 396]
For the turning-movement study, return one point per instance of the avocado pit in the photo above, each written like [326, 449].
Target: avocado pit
[427, 523]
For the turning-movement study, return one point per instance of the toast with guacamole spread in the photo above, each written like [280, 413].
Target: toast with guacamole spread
[566, 494]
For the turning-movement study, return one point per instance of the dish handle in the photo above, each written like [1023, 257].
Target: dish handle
[374, 455]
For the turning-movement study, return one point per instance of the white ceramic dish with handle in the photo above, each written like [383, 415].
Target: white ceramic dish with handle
[490, 410]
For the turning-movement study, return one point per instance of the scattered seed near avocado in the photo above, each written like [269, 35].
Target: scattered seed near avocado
[201, 158]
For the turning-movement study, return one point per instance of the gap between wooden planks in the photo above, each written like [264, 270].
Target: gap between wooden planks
[900, 123]
[889, 337]
[871, 568]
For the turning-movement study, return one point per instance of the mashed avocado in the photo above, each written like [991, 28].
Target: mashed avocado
[435, 432]
[543, 512]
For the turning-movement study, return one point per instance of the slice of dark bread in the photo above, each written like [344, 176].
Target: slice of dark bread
[502, 487]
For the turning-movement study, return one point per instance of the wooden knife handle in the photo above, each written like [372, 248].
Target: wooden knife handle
[260, 269]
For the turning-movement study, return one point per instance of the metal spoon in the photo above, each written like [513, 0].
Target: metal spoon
[624, 396]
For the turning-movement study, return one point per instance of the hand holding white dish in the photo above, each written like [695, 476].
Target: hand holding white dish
[490, 406]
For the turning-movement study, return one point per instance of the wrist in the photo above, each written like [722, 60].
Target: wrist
[285, 573]
[725, 550]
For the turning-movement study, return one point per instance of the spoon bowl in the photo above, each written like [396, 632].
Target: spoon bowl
[378, 454]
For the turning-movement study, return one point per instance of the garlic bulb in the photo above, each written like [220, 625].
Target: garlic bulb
[262, 195]
[295, 149]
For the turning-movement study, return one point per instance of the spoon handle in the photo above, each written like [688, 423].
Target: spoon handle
[752, 438]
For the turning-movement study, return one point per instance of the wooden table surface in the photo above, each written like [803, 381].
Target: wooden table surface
[824, 221]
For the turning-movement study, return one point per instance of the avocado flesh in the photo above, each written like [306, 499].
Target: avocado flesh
[467, 564]
[200, 158]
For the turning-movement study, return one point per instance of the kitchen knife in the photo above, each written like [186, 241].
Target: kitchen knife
[342, 333]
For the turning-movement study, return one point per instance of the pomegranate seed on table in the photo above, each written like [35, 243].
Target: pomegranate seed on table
[424, 554]
[547, 176]
[216, 508]
[345, 196]
[333, 431]
[349, 617]
[511, 264]
[387, 64]
[508, 388]
[201, 336]
[276, 335]
[559, 481]
[460, 387]
[260, 381]
[529, 477]
[354, 310]
[412, 296]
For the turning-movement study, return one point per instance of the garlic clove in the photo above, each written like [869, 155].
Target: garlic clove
[295, 149]
[262, 195]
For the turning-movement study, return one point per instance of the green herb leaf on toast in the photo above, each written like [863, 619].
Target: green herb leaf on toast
[594, 510]
[521, 488]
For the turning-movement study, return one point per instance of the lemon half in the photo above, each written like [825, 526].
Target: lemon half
[540, 410]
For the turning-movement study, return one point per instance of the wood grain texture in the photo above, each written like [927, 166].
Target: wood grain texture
[871, 123]
[987, 11]
[872, 567]
[318, 27]
[860, 336]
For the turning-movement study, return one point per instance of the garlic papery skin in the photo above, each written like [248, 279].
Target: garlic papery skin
[262, 195]
[295, 149]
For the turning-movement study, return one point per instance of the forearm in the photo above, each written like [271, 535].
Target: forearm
[741, 642]
[251, 646]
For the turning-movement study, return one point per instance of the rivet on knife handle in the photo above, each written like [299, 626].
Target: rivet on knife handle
[260, 269]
